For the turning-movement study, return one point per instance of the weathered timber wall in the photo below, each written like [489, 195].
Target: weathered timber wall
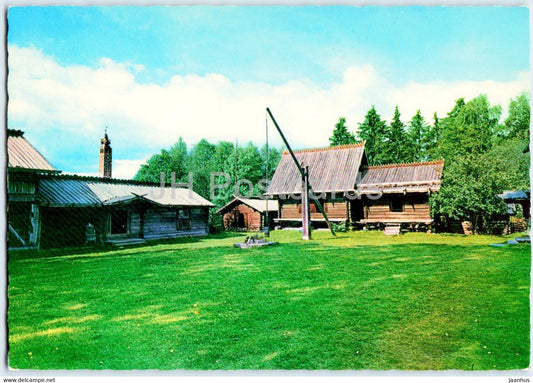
[415, 209]
[334, 209]
[252, 218]
[67, 226]
[21, 187]
[161, 223]
[62, 227]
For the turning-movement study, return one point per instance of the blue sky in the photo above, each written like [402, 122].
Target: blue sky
[277, 44]
[383, 55]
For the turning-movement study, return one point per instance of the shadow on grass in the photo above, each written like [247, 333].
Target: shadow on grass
[110, 248]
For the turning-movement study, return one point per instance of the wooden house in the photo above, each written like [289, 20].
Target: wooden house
[249, 214]
[518, 205]
[24, 167]
[398, 194]
[333, 173]
[354, 193]
[47, 209]
[118, 211]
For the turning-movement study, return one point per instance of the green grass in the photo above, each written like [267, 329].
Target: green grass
[360, 300]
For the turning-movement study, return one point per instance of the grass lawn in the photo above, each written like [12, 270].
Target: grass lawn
[360, 300]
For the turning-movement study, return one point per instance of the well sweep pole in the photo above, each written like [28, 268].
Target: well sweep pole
[309, 187]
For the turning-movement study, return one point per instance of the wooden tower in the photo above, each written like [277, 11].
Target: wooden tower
[105, 157]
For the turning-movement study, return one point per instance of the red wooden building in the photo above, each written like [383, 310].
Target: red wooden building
[249, 214]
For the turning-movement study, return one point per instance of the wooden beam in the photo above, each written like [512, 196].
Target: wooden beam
[306, 232]
[305, 177]
[16, 235]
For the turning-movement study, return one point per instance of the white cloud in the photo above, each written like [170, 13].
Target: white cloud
[126, 169]
[80, 101]
[122, 169]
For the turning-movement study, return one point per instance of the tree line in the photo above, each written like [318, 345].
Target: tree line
[483, 155]
[247, 162]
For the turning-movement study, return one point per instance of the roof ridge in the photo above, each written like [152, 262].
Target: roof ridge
[15, 133]
[407, 164]
[325, 148]
[99, 179]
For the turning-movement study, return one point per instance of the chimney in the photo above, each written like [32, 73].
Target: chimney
[105, 157]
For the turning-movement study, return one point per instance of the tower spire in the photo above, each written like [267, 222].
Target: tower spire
[105, 156]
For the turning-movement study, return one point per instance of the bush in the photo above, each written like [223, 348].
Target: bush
[216, 224]
[339, 227]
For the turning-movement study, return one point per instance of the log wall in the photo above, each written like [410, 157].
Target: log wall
[67, 226]
[161, 223]
[415, 209]
[337, 209]
[21, 187]
[252, 218]
[63, 227]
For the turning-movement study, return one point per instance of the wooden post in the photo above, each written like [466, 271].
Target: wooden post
[303, 173]
[35, 223]
[142, 212]
[306, 218]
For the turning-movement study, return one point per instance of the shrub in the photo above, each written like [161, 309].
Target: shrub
[339, 227]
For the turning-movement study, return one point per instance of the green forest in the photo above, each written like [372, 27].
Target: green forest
[483, 155]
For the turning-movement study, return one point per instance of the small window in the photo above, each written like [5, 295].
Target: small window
[183, 219]
[396, 205]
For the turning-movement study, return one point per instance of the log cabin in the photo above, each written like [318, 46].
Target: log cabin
[333, 173]
[518, 210]
[354, 193]
[24, 167]
[48, 209]
[248, 214]
[116, 211]
[397, 195]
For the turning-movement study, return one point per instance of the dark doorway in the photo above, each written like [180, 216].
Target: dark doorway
[240, 221]
[396, 204]
[357, 211]
[119, 221]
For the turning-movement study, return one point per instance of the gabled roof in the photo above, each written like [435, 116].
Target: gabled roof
[331, 169]
[257, 204]
[75, 191]
[21, 155]
[515, 195]
[402, 178]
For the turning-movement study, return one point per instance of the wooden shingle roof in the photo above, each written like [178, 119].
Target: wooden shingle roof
[331, 169]
[21, 155]
[257, 204]
[402, 178]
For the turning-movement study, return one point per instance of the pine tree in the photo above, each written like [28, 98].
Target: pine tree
[398, 148]
[433, 138]
[374, 131]
[341, 135]
[419, 136]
